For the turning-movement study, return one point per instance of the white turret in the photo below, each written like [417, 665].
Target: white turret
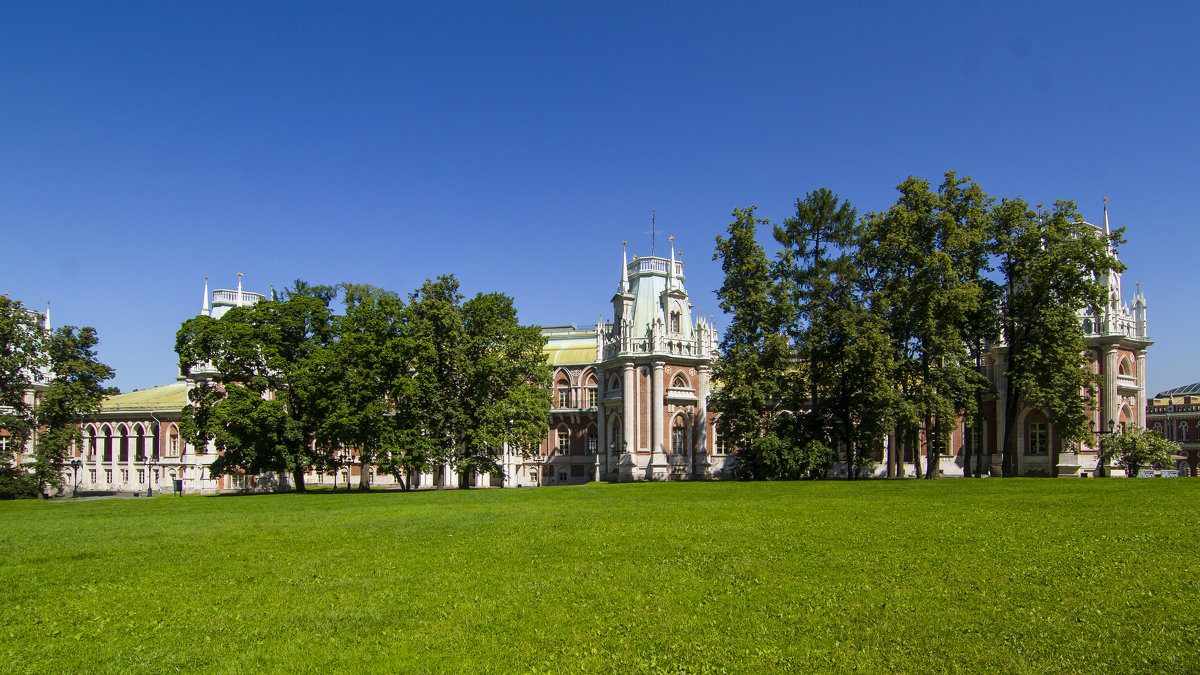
[204, 304]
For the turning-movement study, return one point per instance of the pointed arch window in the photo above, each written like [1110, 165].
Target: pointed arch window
[675, 325]
[678, 436]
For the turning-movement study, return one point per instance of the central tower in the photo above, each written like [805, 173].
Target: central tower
[655, 361]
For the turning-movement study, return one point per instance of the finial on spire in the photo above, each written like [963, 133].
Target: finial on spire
[204, 305]
[625, 268]
[671, 266]
[1107, 233]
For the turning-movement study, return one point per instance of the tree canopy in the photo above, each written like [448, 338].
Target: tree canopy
[49, 381]
[861, 327]
[288, 385]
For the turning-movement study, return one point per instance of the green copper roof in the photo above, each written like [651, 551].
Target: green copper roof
[571, 348]
[168, 397]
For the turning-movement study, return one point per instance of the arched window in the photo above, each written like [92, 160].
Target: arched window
[680, 382]
[124, 443]
[108, 443]
[589, 390]
[1183, 469]
[593, 441]
[139, 442]
[564, 392]
[1158, 429]
[91, 443]
[678, 435]
[1183, 431]
[173, 441]
[674, 322]
[563, 441]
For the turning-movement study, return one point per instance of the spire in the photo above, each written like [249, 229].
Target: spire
[239, 298]
[204, 305]
[273, 296]
[47, 325]
[624, 268]
[671, 267]
[1107, 232]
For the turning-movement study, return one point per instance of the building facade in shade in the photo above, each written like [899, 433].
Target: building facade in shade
[1174, 414]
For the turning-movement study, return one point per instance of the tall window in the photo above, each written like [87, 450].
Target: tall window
[564, 393]
[174, 444]
[592, 442]
[677, 436]
[564, 441]
[591, 397]
[1038, 444]
[674, 322]
[1183, 431]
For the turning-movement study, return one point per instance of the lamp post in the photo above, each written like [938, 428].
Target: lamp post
[1112, 424]
[75, 464]
[149, 476]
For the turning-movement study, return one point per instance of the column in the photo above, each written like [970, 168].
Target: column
[701, 445]
[1140, 413]
[1110, 386]
[657, 458]
[628, 427]
[601, 434]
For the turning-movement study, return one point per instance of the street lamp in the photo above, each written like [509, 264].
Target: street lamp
[1112, 424]
[149, 477]
[75, 464]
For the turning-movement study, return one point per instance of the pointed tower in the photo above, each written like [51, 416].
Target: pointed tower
[204, 303]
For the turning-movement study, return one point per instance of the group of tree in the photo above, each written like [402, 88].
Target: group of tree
[49, 381]
[289, 385]
[877, 327]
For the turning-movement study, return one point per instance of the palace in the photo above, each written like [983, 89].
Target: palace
[630, 403]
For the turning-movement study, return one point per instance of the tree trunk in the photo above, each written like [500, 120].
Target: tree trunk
[929, 451]
[298, 480]
[1010, 422]
[891, 453]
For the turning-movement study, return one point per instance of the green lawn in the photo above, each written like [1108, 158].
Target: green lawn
[1021, 575]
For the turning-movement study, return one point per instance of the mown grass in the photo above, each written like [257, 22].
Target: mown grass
[952, 575]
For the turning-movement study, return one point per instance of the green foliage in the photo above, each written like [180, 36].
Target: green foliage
[285, 385]
[756, 367]
[817, 576]
[262, 390]
[1053, 266]
[62, 368]
[1135, 449]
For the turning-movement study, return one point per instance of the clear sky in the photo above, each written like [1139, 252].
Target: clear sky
[515, 144]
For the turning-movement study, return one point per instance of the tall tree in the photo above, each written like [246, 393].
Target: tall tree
[260, 396]
[914, 256]
[75, 391]
[965, 202]
[842, 346]
[362, 371]
[755, 369]
[479, 379]
[1053, 265]
[49, 381]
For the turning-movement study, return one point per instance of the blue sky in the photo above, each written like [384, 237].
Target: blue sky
[515, 145]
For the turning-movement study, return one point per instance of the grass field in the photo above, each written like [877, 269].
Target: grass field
[1020, 575]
